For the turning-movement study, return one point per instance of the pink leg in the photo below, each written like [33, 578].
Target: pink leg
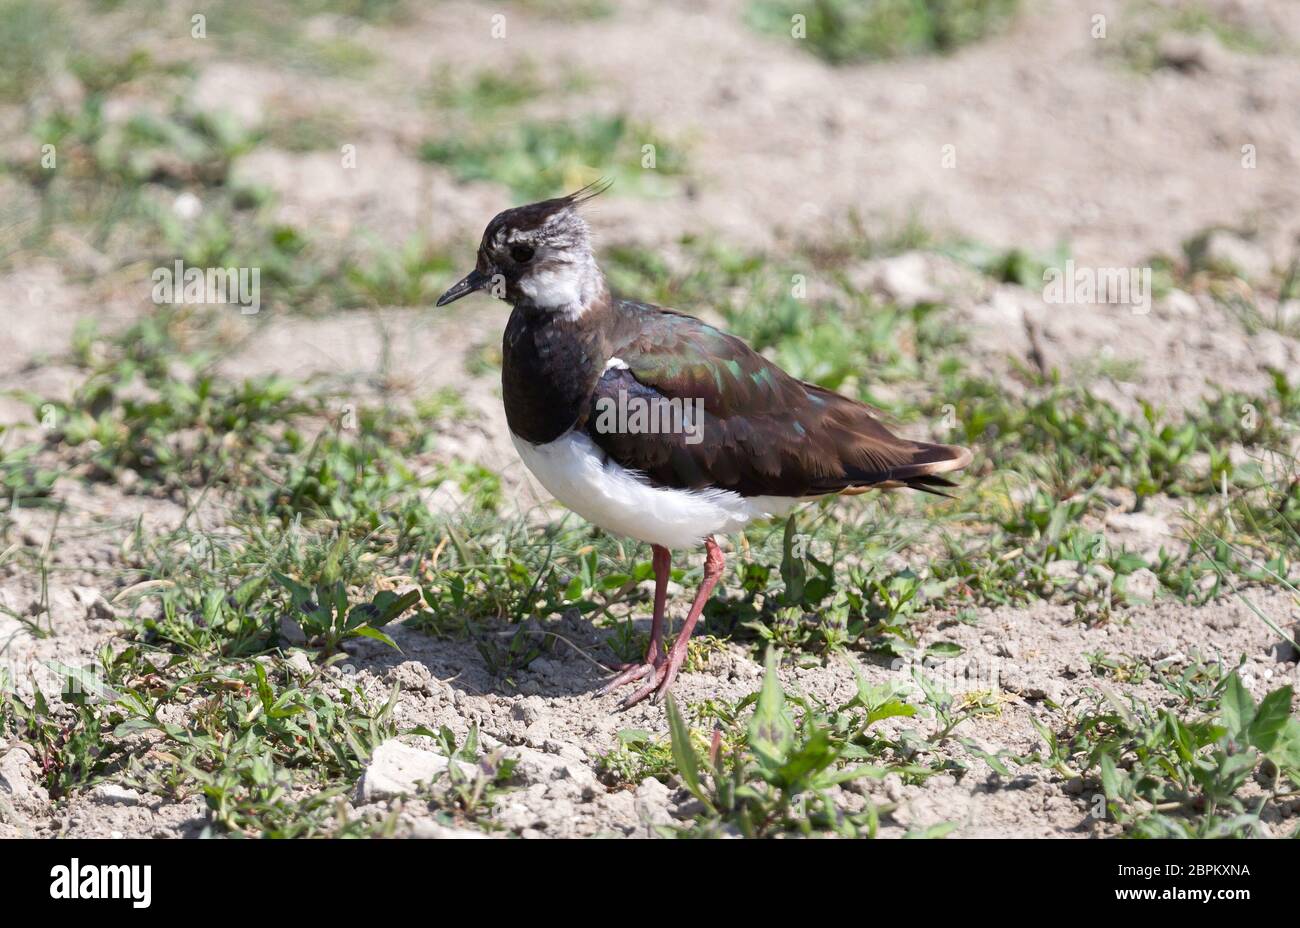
[654, 655]
[667, 672]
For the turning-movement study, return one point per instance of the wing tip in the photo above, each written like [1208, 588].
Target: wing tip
[927, 477]
[960, 459]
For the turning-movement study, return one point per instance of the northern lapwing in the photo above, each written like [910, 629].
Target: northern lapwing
[657, 426]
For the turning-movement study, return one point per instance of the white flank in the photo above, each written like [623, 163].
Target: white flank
[585, 479]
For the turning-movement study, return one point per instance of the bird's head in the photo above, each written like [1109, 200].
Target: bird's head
[538, 255]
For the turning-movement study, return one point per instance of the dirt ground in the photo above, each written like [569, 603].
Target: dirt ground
[1054, 143]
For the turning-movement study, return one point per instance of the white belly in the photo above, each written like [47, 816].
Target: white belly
[582, 477]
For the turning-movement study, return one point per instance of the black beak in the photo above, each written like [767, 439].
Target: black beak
[468, 284]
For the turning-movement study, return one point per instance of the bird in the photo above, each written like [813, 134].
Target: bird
[655, 425]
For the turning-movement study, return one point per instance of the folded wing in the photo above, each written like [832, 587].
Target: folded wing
[692, 407]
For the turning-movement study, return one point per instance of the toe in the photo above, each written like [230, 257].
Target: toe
[670, 674]
[646, 688]
[635, 672]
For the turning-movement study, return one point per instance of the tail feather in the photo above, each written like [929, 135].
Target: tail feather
[929, 485]
[922, 470]
[933, 480]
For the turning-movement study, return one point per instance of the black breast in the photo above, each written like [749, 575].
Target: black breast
[550, 365]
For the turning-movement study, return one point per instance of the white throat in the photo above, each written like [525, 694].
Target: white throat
[570, 287]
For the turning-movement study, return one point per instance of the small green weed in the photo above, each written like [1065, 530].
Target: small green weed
[537, 160]
[1148, 21]
[1164, 774]
[844, 32]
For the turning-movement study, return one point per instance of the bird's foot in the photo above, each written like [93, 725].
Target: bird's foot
[659, 668]
[635, 670]
[632, 672]
[659, 675]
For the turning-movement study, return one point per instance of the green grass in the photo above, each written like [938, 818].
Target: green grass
[116, 183]
[136, 414]
[31, 31]
[309, 130]
[1161, 772]
[850, 31]
[1013, 265]
[110, 186]
[485, 92]
[774, 763]
[777, 773]
[496, 92]
[253, 740]
[200, 702]
[412, 274]
[1145, 22]
[771, 770]
[276, 33]
[572, 10]
[542, 159]
[24, 480]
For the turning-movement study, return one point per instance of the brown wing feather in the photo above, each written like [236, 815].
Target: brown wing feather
[761, 432]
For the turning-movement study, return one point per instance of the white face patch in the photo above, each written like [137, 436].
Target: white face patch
[553, 287]
[570, 285]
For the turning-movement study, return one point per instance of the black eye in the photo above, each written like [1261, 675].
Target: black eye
[522, 253]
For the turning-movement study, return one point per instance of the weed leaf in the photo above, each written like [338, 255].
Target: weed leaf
[688, 763]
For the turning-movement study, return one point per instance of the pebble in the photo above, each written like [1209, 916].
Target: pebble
[18, 779]
[397, 769]
[1138, 523]
[651, 802]
[1182, 304]
[115, 795]
[1230, 251]
[1142, 584]
[299, 661]
[1199, 51]
[905, 280]
[529, 709]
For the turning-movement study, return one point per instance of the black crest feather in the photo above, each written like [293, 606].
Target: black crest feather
[589, 192]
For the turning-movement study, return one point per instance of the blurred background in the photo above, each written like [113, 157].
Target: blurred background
[354, 149]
